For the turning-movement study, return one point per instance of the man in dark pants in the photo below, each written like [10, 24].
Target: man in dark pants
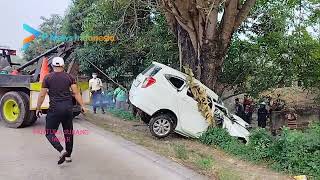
[263, 115]
[239, 108]
[58, 84]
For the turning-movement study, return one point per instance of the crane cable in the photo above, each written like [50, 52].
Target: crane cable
[107, 75]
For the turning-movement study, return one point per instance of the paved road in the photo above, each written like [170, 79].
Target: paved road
[99, 155]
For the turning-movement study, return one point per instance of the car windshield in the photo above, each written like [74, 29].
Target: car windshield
[224, 110]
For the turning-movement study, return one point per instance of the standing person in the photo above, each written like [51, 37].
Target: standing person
[238, 108]
[58, 84]
[95, 86]
[263, 115]
[247, 114]
[120, 97]
[246, 101]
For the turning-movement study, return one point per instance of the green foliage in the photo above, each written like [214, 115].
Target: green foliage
[216, 136]
[141, 39]
[278, 45]
[298, 152]
[260, 142]
[293, 152]
[122, 114]
[181, 151]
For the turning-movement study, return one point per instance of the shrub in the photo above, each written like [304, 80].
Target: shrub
[121, 114]
[216, 136]
[293, 151]
[298, 152]
[260, 145]
[220, 137]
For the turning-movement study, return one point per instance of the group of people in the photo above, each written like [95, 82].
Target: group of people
[246, 108]
[119, 96]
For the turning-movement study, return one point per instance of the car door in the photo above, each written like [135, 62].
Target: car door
[191, 121]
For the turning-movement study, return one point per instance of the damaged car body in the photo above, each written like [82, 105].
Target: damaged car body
[166, 103]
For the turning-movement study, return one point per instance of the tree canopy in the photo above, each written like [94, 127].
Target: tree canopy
[265, 44]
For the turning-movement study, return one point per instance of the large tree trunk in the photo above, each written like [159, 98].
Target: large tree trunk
[203, 39]
[187, 53]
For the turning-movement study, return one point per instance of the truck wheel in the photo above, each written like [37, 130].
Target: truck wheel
[31, 116]
[13, 109]
[161, 125]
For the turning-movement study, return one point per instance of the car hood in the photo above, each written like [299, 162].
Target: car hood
[240, 121]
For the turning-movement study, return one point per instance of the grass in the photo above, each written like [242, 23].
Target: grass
[205, 163]
[181, 152]
[188, 152]
[227, 174]
[126, 115]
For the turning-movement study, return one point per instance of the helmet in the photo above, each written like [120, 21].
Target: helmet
[57, 62]
[263, 103]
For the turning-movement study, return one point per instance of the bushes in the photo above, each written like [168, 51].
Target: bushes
[122, 114]
[298, 152]
[261, 143]
[293, 151]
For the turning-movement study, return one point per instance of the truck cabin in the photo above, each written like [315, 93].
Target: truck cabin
[5, 58]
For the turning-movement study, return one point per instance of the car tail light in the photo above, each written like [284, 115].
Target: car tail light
[148, 82]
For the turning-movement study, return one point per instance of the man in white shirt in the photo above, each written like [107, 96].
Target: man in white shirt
[95, 85]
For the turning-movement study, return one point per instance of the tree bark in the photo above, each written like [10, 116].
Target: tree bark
[188, 54]
[203, 40]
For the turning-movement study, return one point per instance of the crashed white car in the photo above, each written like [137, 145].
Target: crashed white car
[166, 103]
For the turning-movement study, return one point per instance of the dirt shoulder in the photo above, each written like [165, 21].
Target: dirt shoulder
[204, 159]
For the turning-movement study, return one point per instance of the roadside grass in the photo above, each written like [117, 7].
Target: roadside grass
[227, 174]
[126, 115]
[181, 152]
[205, 163]
[204, 159]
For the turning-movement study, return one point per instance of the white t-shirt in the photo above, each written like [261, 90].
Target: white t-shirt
[95, 84]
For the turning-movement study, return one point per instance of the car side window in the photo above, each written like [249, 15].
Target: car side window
[189, 93]
[176, 82]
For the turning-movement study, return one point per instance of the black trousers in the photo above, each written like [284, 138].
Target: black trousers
[61, 113]
[262, 123]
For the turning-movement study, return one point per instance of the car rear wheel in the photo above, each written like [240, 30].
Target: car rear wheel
[161, 125]
[13, 109]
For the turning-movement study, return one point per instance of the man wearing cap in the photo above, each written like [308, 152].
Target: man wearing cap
[60, 86]
[95, 86]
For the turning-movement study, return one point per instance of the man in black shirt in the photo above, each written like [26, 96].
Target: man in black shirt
[60, 87]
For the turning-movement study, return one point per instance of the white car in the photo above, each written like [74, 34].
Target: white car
[165, 102]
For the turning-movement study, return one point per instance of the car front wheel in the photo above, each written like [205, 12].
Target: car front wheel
[161, 125]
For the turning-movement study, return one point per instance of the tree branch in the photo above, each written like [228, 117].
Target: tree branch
[232, 95]
[228, 20]
[243, 13]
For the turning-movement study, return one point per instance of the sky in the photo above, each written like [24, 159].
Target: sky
[14, 13]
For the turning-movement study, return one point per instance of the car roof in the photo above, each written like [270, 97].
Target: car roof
[168, 70]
